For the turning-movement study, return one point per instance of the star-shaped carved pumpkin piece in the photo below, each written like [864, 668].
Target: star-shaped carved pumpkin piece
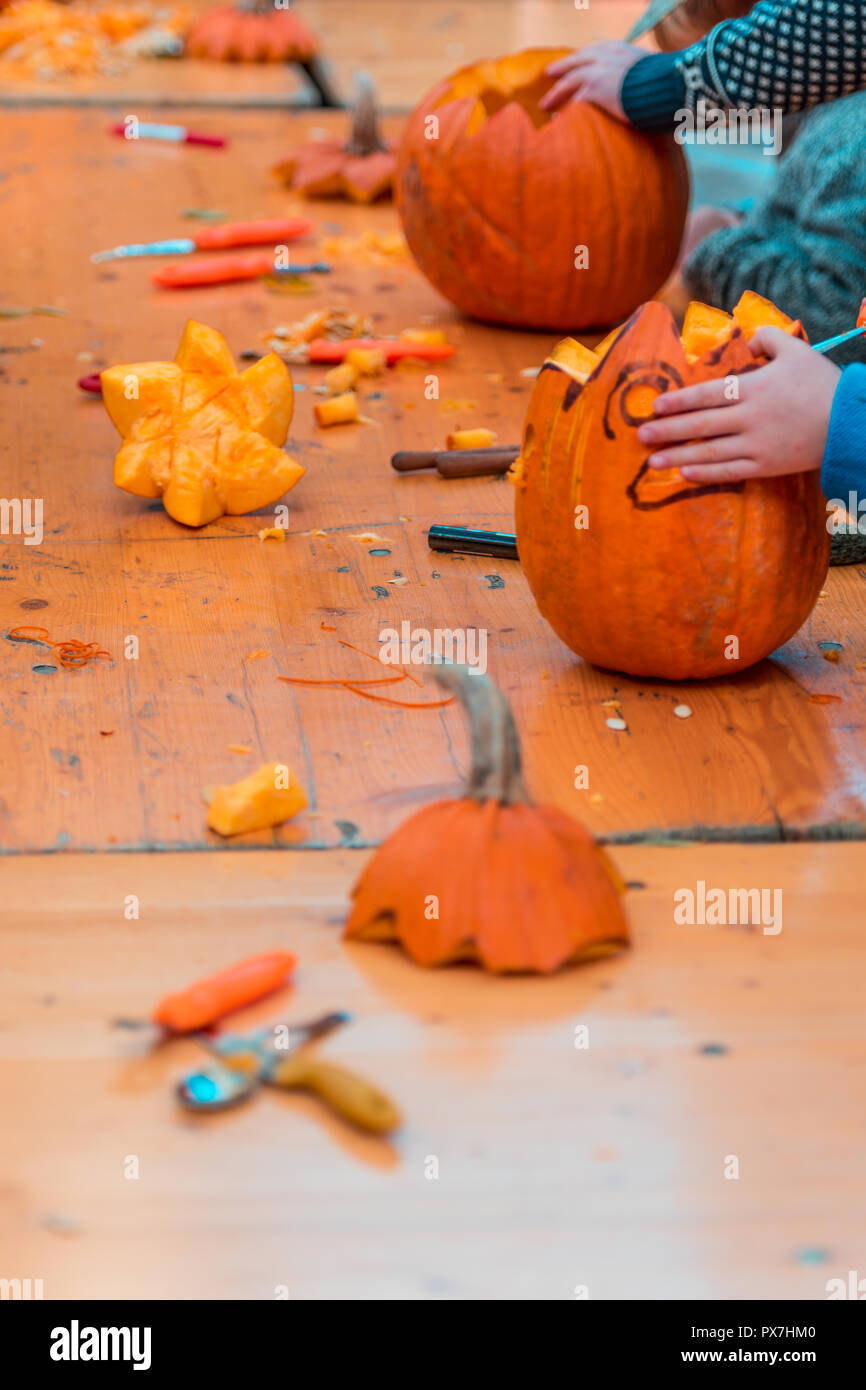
[198, 433]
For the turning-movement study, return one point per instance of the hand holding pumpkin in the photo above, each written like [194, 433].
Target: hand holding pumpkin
[778, 423]
[595, 74]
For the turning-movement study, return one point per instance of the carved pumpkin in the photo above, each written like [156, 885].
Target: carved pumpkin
[489, 877]
[360, 169]
[199, 434]
[251, 31]
[560, 222]
[639, 570]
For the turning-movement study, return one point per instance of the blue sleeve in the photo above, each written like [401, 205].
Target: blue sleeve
[843, 469]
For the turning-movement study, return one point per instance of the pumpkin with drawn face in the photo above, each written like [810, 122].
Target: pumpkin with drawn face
[639, 570]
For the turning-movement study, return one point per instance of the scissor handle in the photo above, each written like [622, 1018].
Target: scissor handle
[349, 1095]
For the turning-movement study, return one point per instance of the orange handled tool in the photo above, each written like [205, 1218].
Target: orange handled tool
[220, 270]
[267, 231]
[216, 270]
[202, 1003]
[323, 350]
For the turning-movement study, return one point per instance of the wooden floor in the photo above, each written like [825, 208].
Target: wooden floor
[558, 1166]
[120, 752]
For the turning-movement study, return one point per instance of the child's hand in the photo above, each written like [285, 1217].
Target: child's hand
[594, 74]
[778, 424]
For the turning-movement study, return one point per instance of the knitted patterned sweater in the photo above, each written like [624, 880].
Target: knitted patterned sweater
[804, 245]
[787, 54]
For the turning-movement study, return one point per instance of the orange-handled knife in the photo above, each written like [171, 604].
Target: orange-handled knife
[269, 231]
[220, 270]
[394, 349]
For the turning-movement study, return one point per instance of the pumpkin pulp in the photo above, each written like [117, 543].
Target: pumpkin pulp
[198, 433]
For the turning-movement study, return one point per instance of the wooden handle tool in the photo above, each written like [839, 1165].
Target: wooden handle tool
[457, 463]
[350, 1096]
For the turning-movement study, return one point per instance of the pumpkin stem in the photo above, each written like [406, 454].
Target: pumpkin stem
[366, 137]
[495, 773]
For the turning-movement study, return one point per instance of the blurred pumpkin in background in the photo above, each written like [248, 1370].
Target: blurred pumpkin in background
[251, 31]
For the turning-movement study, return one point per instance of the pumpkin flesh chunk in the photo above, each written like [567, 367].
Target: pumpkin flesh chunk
[575, 358]
[753, 311]
[199, 433]
[704, 328]
[270, 795]
[138, 398]
[607, 343]
[143, 468]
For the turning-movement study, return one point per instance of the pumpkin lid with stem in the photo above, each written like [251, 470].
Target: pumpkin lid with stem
[365, 137]
[496, 761]
[360, 168]
[490, 877]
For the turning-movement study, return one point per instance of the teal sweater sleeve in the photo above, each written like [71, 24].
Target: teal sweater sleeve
[785, 54]
[843, 469]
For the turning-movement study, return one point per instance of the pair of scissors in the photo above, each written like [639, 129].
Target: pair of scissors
[274, 1056]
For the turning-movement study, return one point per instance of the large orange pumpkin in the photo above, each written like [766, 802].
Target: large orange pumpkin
[639, 570]
[517, 217]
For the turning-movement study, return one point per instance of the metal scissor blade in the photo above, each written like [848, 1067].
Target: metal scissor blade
[175, 246]
[243, 1051]
[244, 1061]
[302, 1033]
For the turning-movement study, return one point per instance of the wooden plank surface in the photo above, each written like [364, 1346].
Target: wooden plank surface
[406, 59]
[756, 759]
[558, 1166]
